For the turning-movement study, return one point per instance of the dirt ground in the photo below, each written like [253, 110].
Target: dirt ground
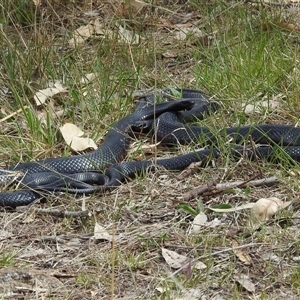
[159, 236]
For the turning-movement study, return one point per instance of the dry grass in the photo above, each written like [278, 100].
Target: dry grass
[244, 54]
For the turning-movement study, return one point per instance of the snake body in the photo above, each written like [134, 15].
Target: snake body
[112, 150]
[79, 174]
[42, 175]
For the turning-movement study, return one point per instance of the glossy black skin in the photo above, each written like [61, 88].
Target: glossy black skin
[77, 174]
[61, 174]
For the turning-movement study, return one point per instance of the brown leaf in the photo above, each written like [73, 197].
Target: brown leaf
[288, 26]
[132, 8]
[242, 255]
[84, 32]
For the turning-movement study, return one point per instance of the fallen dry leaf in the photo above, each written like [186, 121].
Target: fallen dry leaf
[95, 30]
[288, 26]
[132, 8]
[251, 109]
[100, 233]
[128, 37]
[73, 137]
[37, 2]
[199, 265]
[263, 105]
[162, 289]
[198, 221]
[54, 88]
[190, 294]
[194, 31]
[245, 282]
[82, 33]
[242, 255]
[173, 259]
[88, 78]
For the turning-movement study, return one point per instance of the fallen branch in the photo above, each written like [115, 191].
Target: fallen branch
[55, 212]
[221, 187]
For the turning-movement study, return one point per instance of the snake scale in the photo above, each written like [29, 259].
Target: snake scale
[81, 174]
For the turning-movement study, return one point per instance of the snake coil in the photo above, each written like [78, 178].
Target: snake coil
[80, 174]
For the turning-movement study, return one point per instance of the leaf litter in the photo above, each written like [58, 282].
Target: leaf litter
[151, 222]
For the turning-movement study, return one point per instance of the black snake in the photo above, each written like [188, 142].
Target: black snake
[80, 174]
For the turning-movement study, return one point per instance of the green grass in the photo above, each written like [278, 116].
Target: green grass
[244, 58]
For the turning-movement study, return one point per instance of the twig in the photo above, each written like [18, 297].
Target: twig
[221, 187]
[13, 114]
[255, 155]
[272, 3]
[55, 212]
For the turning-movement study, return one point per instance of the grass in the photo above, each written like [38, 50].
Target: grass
[244, 56]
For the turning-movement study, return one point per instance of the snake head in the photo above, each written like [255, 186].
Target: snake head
[143, 126]
[172, 106]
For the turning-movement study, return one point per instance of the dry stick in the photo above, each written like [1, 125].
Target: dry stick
[272, 3]
[221, 187]
[13, 114]
[255, 154]
[55, 212]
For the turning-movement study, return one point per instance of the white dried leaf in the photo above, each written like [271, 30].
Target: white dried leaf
[245, 282]
[73, 137]
[134, 5]
[88, 77]
[162, 289]
[200, 265]
[190, 294]
[173, 259]
[100, 233]
[198, 221]
[296, 258]
[189, 31]
[271, 257]
[213, 223]
[128, 37]
[84, 32]
[37, 2]
[95, 30]
[265, 208]
[91, 13]
[29, 252]
[42, 95]
[260, 106]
